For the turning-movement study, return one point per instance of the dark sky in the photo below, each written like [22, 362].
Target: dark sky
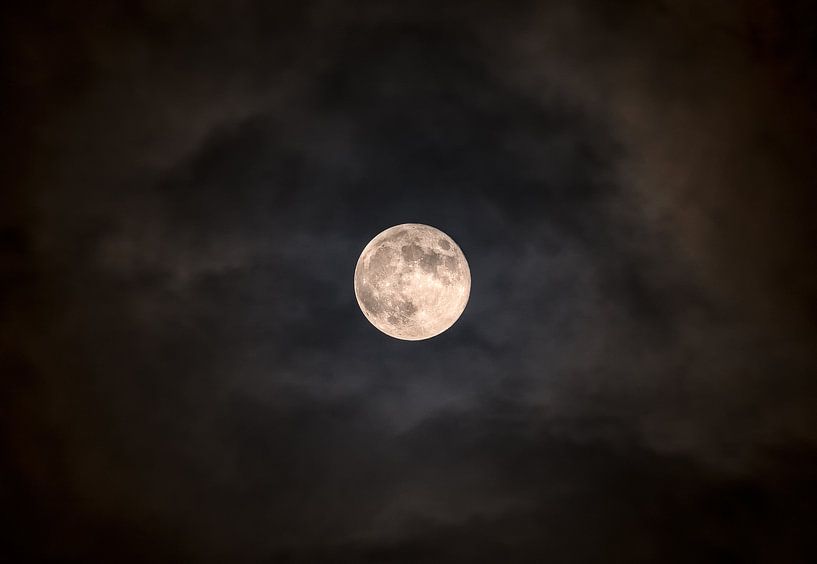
[185, 375]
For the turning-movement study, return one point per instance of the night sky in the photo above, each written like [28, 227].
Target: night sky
[186, 376]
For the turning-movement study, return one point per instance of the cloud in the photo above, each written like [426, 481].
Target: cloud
[192, 368]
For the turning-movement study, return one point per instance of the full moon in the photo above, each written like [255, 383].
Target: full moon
[412, 281]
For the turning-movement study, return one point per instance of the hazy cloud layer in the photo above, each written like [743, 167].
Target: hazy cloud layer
[187, 374]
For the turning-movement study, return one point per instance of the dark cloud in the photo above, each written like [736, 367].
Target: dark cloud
[187, 376]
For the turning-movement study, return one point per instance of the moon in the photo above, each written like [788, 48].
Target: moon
[412, 281]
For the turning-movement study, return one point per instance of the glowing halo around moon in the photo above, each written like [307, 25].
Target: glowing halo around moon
[412, 281]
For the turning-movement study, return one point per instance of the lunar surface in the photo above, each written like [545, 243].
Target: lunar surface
[412, 281]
